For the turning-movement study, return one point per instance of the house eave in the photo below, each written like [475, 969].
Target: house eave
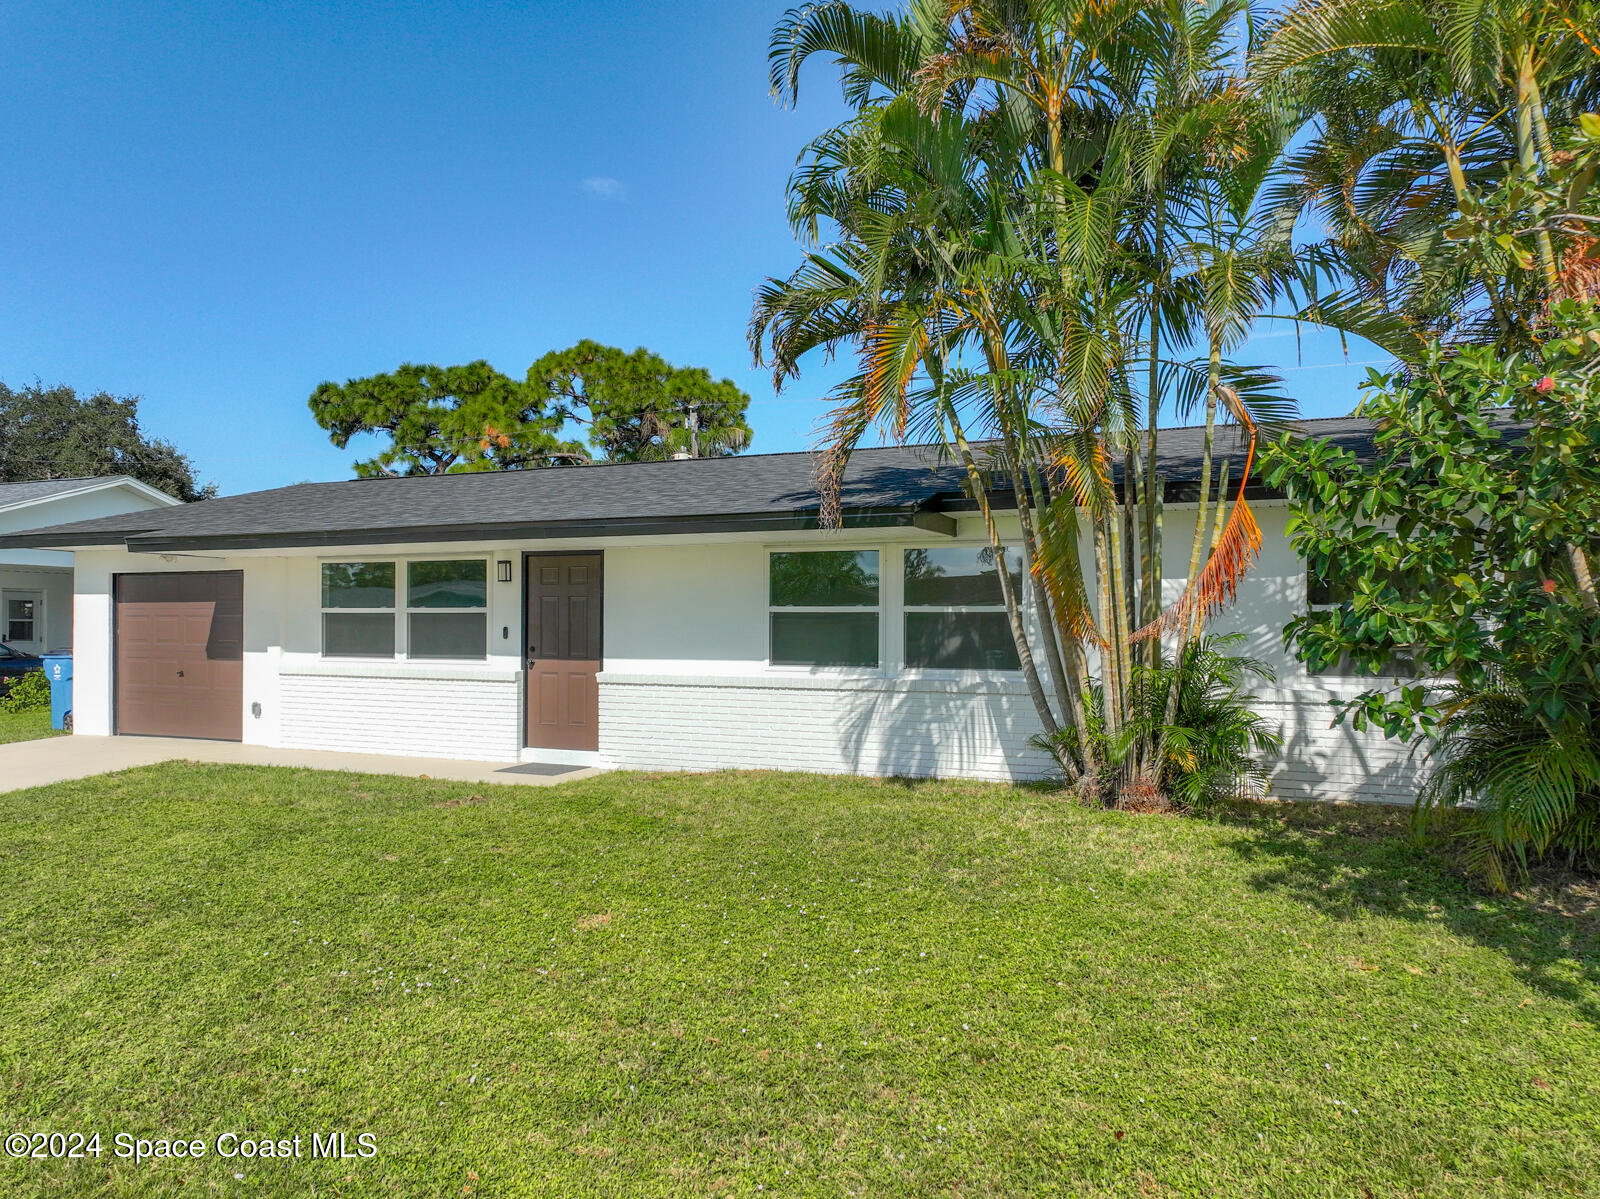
[59, 541]
[919, 518]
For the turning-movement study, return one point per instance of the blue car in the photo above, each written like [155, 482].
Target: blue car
[14, 664]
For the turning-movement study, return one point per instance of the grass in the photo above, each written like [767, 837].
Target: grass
[25, 726]
[776, 985]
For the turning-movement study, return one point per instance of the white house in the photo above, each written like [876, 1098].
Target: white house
[36, 584]
[668, 615]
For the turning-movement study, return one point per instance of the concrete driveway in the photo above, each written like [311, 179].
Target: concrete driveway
[56, 759]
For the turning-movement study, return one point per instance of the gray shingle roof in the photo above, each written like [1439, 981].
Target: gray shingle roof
[902, 485]
[43, 489]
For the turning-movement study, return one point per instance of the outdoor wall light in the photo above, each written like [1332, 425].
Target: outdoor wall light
[502, 571]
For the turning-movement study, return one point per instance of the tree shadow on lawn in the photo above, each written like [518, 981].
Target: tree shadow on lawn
[1346, 862]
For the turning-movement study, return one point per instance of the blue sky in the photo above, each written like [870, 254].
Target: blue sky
[217, 206]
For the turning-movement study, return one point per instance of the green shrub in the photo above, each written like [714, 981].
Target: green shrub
[1215, 745]
[27, 694]
[1532, 789]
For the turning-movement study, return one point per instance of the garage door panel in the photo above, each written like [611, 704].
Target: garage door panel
[180, 654]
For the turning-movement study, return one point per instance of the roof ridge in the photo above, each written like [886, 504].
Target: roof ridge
[904, 445]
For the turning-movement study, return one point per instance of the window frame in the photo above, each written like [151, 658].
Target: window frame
[323, 611]
[1343, 670]
[35, 621]
[907, 608]
[401, 611]
[409, 611]
[878, 610]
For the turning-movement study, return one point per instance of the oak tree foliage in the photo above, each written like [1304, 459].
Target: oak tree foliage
[53, 433]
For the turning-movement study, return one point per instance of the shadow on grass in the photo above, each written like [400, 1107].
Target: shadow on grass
[1346, 862]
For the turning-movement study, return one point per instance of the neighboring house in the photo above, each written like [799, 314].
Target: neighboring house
[657, 615]
[36, 584]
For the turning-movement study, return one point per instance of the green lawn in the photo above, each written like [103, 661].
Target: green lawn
[776, 985]
[25, 726]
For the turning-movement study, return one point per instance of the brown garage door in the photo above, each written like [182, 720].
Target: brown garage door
[180, 654]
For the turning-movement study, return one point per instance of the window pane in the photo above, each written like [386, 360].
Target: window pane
[825, 579]
[951, 575]
[1402, 664]
[19, 620]
[960, 641]
[1324, 592]
[357, 635]
[448, 635]
[825, 638]
[358, 585]
[1321, 592]
[447, 584]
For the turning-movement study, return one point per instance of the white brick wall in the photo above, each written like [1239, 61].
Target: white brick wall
[476, 719]
[1320, 762]
[846, 727]
[934, 729]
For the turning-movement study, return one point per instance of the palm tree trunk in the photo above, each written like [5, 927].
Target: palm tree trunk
[1110, 675]
[1025, 483]
[1541, 130]
[1213, 537]
[1199, 546]
[1128, 597]
[1580, 571]
[1041, 599]
[1458, 183]
[1527, 102]
[1019, 634]
[1076, 684]
[1134, 564]
[1119, 593]
[1151, 574]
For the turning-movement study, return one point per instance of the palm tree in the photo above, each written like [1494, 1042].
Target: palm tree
[1414, 107]
[919, 228]
[1034, 205]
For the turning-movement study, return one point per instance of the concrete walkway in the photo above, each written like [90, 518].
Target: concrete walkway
[56, 759]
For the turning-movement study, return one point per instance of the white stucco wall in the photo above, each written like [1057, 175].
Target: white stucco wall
[685, 682]
[53, 586]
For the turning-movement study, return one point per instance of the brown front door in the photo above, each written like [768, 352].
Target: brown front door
[180, 654]
[563, 626]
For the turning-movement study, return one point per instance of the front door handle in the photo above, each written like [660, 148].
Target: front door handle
[180, 674]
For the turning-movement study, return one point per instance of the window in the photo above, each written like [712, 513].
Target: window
[1323, 594]
[955, 615]
[358, 609]
[447, 609]
[824, 608]
[20, 619]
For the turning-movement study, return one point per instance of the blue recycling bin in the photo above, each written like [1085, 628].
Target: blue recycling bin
[58, 669]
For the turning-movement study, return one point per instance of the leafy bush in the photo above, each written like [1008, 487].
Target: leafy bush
[1215, 744]
[1531, 788]
[1467, 543]
[27, 693]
